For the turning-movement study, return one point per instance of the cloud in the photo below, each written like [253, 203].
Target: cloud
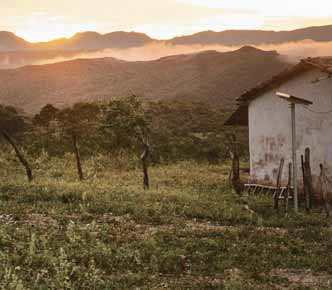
[42, 20]
[41, 26]
[298, 50]
[217, 23]
[284, 8]
[293, 51]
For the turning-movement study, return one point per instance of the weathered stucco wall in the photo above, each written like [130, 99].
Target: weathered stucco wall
[270, 128]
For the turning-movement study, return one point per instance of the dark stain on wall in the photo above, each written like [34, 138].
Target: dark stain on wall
[271, 156]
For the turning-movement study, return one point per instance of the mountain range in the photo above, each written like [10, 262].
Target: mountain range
[121, 40]
[81, 41]
[209, 76]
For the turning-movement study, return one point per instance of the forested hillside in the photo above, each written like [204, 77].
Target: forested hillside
[209, 76]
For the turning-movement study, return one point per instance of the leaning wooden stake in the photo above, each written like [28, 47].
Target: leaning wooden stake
[78, 158]
[289, 186]
[277, 193]
[308, 176]
[144, 159]
[325, 186]
[19, 155]
[234, 175]
[236, 180]
[305, 186]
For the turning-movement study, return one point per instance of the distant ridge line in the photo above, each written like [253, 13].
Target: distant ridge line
[91, 40]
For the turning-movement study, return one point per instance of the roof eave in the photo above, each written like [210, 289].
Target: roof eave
[239, 117]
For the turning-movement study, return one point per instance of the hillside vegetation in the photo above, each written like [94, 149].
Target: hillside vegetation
[123, 128]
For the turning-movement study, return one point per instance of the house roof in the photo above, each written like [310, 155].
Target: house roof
[240, 116]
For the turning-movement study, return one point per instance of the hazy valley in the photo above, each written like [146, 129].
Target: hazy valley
[207, 76]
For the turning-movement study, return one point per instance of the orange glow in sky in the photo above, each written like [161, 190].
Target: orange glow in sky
[42, 20]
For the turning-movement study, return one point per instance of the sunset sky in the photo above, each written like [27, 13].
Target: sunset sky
[39, 20]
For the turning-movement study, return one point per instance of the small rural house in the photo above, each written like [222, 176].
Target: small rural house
[269, 120]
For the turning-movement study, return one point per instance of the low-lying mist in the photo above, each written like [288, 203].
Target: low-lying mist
[292, 51]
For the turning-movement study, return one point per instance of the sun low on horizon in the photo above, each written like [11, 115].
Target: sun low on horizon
[37, 20]
[48, 33]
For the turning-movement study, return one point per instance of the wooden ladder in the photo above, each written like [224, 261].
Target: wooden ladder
[264, 189]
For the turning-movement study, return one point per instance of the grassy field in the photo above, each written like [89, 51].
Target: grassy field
[189, 231]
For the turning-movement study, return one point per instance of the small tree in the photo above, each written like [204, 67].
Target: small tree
[125, 121]
[76, 123]
[13, 125]
[47, 114]
[46, 130]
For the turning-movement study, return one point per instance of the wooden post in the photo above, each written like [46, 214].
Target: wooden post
[307, 179]
[235, 170]
[305, 186]
[289, 185]
[236, 180]
[307, 166]
[78, 158]
[144, 159]
[19, 155]
[277, 193]
[237, 184]
[325, 185]
[294, 161]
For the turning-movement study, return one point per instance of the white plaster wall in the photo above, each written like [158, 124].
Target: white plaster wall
[270, 128]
